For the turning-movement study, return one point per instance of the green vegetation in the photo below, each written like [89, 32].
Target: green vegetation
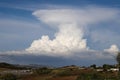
[97, 76]
[8, 77]
[43, 70]
[118, 60]
[8, 72]
[89, 76]
[10, 66]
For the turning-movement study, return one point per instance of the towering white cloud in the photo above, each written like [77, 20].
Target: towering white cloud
[68, 39]
[112, 50]
[70, 24]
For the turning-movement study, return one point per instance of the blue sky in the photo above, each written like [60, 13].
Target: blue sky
[30, 28]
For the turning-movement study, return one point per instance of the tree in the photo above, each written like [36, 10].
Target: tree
[106, 67]
[93, 66]
[118, 60]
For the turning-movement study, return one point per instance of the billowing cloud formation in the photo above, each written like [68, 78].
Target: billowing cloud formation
[66, 41]
[69, 44]
[70, 24]
[113, 49]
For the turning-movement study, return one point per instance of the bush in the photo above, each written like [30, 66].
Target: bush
[89, 76]
[43, 71]
[8, 77]
[64, 73]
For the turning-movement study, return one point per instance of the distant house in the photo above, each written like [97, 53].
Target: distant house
[81, 68]
[114, 69]
[99, 70]
[111, 69]
[20, 72]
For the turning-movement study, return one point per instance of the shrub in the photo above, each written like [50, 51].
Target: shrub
[89, 76]
[43, 71]
[8, 77]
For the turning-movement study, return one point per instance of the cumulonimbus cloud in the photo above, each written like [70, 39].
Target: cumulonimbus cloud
[69, 39]
[70, 24]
